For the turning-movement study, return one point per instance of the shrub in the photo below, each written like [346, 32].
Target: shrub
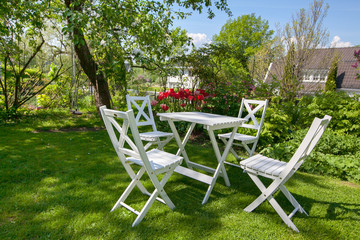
[345, 111]
[336, 154]
[330, 84]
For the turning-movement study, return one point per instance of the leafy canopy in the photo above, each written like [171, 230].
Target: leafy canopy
[244, 35]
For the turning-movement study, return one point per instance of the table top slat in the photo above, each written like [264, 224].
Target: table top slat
[208, 119]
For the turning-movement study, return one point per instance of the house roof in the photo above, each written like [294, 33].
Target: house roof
[346, 74]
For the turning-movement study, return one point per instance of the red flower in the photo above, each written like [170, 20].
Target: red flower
[162, 95]
[183, 105]
[154, 102]
[200, 97]
[176, 96]
[182, 93]
[164, 107]
[190, 98]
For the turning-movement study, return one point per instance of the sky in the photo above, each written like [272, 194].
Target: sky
[342, 20]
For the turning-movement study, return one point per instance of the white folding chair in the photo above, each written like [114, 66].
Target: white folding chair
[130, 150]
[251, 107]
[280, 172]
[144, 117]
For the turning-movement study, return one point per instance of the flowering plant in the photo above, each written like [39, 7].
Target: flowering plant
[182, 100]
[357, 63]
[227, 96]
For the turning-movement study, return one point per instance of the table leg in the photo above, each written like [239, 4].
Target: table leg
[180, 143]
[221, 159]
[218, 157]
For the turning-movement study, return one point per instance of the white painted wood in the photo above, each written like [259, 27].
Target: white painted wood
[280, 172]
[152, 162]
[206, 119]
[211, 122]
[247, 140]
[194, 174]
[144, 117]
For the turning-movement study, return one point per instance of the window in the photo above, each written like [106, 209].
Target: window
[315, 75]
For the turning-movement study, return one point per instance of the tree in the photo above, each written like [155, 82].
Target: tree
[106, 33]
[330, 84]
[305, 32]
[21, 40]
[289, 83]
[244, 36]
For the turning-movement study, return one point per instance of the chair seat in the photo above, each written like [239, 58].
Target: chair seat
[239, 137]
[152, 136]
[158, 159]
[260, 163]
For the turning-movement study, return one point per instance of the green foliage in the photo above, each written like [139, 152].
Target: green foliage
[283, 117]
[289, 84]
[8, 115]
[276, 128]
[244, 35]
[330, 84]
[335, 155]
[343, 109]
[137, 32]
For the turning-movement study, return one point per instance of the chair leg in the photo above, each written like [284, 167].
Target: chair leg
[247, 148]
[261, 198]
[147, 145]
[161, 144]
[282, 213]
[253, 148]
[128, 190]
[132, 174]
[269, 196]
[292, 200]
[146, 208]
[159, 190]
[160, 187]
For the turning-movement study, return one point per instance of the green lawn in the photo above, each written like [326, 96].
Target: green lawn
[62, 185]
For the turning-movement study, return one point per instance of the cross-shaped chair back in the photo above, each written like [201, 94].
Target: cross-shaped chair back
[134, 147]
[312, 137]
[144, 115]
[131, 151]
[251, 107]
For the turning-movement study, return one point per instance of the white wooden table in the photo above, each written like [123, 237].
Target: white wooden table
[211, 122]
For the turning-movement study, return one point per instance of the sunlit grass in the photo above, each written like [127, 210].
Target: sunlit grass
[62, 185]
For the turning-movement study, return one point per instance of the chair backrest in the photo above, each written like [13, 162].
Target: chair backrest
[134, 148]
[312, 137]
[252, 107]
[144, 114]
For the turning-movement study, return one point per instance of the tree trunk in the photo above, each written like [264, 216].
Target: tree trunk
[88, 64]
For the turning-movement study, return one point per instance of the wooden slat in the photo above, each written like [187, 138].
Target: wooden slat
[246, 161]
[264, 164]
[256, 161]
[194, 175]
[279, 169]
[269, 164]
[129, 208]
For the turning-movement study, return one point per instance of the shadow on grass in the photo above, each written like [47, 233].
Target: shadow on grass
[63, 185]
